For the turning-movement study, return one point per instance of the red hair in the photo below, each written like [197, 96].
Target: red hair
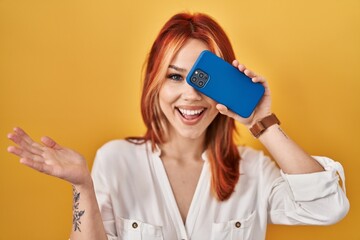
[223, 153]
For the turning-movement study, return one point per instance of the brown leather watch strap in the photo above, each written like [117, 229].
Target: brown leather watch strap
[260, 126]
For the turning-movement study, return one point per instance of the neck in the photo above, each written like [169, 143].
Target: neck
[183, 149]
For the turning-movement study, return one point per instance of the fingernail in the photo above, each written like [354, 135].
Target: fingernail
[11, 136]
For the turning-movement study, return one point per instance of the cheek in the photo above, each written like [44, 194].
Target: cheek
[166, 96]
[213, 111]
[211, 102]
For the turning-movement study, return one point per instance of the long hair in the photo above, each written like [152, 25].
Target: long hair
[223, 154]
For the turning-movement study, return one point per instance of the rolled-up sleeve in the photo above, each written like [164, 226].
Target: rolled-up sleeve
[102, 192]
[314, 198]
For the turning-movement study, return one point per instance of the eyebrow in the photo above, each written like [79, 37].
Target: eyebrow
[179, 69]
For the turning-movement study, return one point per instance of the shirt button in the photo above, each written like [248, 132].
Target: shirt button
[134, 225]
[238, 224]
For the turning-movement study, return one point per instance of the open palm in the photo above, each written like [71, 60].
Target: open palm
[49, 157]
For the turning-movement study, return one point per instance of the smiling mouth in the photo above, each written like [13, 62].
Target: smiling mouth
[190, 114]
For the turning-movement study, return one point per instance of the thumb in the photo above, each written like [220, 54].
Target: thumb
[47, 141]
[225, 111]
[221, 108]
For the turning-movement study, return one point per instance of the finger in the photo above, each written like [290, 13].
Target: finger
[24, 154]
[222, 108]
[16, 139]
[235, 63]
[37, 148]
[23, 134]
[259, 79]
[28, 144]
[25, 142]
[47, 141]
[241, 67]
[263, 81]
[19, 152]
[250, 73]
[15, 150]
[39, 166]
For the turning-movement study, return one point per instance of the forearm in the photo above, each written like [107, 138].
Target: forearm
[291, 158]
[87, 221]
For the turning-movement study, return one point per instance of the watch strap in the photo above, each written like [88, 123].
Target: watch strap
[260, 126]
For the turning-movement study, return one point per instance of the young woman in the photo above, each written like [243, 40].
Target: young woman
[186, 178]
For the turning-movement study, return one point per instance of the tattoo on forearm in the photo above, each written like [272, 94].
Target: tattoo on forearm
[77, 214]
[283, 132]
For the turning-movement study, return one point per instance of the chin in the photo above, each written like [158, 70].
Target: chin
[192, 135]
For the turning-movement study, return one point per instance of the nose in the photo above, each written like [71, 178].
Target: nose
[190, 93]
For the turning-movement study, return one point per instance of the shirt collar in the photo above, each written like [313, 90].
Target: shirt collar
[157, 152]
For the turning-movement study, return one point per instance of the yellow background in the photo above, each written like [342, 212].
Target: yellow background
[71, 70]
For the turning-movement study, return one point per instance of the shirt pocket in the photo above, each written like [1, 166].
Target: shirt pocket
[136, 230]
[238, 229]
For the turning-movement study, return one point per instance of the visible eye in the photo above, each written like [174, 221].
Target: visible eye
[175, 77]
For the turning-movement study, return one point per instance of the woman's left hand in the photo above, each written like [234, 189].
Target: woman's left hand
[262, 110]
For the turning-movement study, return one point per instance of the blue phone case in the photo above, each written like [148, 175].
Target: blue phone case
[219, 80]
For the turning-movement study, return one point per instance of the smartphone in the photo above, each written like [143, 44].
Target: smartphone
[225, 84]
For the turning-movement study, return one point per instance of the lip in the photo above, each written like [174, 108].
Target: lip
[190, 121]
[190, 107]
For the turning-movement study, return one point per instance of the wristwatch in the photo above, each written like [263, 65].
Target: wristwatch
[260, 126]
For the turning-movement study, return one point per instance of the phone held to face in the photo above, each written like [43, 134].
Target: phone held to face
[225, 84]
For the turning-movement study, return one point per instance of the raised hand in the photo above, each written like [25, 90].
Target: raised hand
[50, 158]
[264, 107]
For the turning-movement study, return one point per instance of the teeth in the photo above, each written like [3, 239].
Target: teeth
[190, 112]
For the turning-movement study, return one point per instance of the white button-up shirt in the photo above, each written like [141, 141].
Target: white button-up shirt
[136, 200]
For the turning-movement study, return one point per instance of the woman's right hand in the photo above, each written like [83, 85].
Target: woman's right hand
[50, 158]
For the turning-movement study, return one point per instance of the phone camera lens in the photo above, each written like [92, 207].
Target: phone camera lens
[193, 79]
[201, 75]
[201, 83]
